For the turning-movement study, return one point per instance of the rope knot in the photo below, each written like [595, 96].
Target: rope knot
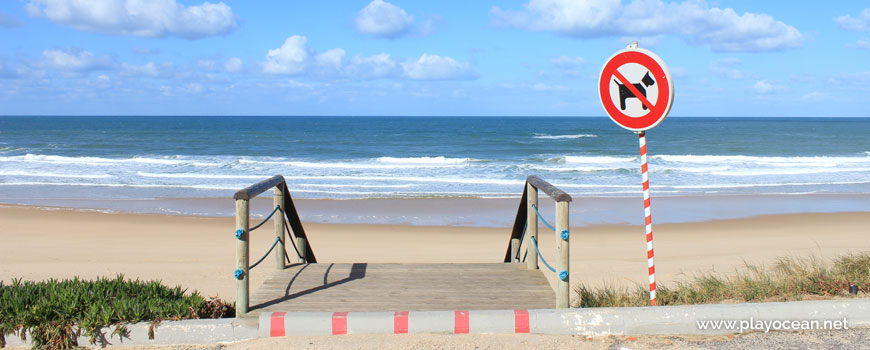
[564, 235]
[239, 274]
[240, 233]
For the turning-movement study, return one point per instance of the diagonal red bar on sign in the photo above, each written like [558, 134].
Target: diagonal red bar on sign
[633, 89]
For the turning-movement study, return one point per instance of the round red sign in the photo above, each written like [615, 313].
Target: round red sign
[636, 89]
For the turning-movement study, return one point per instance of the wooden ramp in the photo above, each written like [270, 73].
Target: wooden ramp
[402, 287]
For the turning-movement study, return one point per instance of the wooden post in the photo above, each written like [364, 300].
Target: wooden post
[563, 286]
[242, 252]
[531, 227]
[515, 247]
[302, 245]
[278, 201]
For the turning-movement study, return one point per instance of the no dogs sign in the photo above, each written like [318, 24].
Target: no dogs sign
[636, 89]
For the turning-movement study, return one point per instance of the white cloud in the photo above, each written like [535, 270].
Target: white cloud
[434, 67]
[372, 67]
[722, 29]
[290, 58]
[863, 44]
[382, 19]
[152, 18]
[859, 24]
[764, 87]
[330, 62]
[294, 57]
[234, 65]
[75, 60]
[727, 67]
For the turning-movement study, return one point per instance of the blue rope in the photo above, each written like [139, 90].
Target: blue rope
[277, 239]
[266, 219]
[535, 241]
[542, 218]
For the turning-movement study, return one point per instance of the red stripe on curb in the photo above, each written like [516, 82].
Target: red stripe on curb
[276, 324]
[400, 322]
[521, 321]
[339, 323]
[460, 324]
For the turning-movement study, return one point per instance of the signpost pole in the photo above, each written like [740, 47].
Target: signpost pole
[634, 74]
[647, 218]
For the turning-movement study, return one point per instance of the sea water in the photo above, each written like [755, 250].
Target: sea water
[124, 157]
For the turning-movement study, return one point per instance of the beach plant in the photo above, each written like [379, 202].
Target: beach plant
[54, 313]
[787, 279]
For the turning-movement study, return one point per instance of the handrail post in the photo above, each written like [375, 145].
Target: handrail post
[531, 226]
[515, 248]
[563, 248]
[242, 252]
[280, 250]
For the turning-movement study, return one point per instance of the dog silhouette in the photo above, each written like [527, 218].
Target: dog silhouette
[625, 93]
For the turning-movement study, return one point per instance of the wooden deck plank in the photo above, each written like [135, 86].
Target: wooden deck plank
[402, 287]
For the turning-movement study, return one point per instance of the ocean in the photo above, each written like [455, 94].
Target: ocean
[154, 157]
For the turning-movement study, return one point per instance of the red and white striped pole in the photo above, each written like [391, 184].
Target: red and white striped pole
[647, 219]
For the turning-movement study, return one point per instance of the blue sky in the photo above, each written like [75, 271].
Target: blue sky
[534, 57]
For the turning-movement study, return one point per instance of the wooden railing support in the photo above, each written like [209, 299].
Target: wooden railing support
[242, 252]
[525, 229]
[278, 201]
[531, 226]
[286, 213]
[563, 250]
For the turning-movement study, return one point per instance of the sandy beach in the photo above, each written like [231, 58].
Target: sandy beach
[197, 252]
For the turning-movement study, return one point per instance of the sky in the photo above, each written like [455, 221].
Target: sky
[429, 58]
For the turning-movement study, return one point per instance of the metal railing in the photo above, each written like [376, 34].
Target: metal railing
[525, 233]
[286, 222]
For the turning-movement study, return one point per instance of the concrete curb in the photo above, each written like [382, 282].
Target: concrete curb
[682, 320]
[672, 320]
[171, 333]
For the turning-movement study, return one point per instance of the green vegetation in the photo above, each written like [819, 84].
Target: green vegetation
[788, 279]
[55, 312]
